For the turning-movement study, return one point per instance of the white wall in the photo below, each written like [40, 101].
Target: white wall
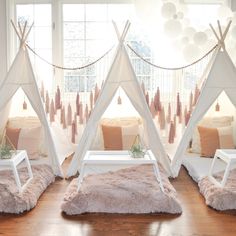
[3, 40]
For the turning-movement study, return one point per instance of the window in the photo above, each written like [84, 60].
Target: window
[88, 34]
[40, 38]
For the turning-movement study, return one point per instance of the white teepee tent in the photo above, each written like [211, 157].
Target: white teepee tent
[121, 74]
[21, 75]
[221, 77]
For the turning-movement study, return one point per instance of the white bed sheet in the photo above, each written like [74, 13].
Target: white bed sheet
[198, 167]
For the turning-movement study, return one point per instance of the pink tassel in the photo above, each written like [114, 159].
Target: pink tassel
[171, 133]
[73, 132]
[96, 93]
[75, 121]
[64, 126]
[77, 104]
[86, 113]
[178, 105]
[119, 101]
[174, 125]
[217, 108]
[180, 113]
[61, 115]
[168, 118]
[69, 115]
[191, 102]
[24, 105]
[196, 95]
[162, 119]
[152, 109]
[147, 98]
[58, 103]
[157, 101]
[81, 115]
[187, 118]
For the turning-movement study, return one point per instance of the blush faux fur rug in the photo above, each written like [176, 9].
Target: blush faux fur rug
[220, 198]
[11, 201]
[132, 190]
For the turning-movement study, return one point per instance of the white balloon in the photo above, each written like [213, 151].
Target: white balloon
[233, 32]
[209, 33]
[189, 32]
[168, 10]
[180, 15]
[172, 28]
[200, 38]
[224, 12]
[191, 52]
[184, 40]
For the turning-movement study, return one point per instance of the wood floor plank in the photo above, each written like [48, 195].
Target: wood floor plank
[46, 219]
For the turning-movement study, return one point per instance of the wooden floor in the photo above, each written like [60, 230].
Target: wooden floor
[47, 220]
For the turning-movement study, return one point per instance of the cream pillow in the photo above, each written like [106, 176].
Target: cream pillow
[211, 122]
[215, 138]
[129, 133]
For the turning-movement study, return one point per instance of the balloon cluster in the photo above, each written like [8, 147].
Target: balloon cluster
[192, 42]
[191, 39]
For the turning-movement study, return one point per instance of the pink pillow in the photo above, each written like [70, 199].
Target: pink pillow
[13, 136]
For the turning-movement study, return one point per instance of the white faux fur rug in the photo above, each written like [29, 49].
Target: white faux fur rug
[219, 198]
[132, 190]
[11, 201]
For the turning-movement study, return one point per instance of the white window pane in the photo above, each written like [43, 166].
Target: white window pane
[42, 15]
[121, 12]
[73, 12]
[97, 30]
[74, 30]
[74, 48]
[25, 13]
[96, 12]
[96, 48]
[43, 37]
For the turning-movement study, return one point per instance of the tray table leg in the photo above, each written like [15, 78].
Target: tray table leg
[158, 175]
[17, 178]
[81, 175]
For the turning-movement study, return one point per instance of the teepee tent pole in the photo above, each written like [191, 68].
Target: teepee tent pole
[17, 33]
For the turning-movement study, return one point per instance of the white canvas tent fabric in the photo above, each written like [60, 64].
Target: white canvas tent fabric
[21, 75]
[221, 77]
[120, 74]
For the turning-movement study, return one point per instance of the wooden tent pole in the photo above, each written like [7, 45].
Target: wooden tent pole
[15, 30]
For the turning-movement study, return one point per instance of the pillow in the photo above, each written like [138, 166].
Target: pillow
[112, 137]
[122, 121]
[211, 122]
[215, 138]
[129, 134]
[30, 139]
[13, 136]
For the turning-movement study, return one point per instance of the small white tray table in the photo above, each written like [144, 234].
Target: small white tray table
[118, 158]
[229, 157]
[16, 159]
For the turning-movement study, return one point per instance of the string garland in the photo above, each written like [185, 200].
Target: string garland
[171, 68]
[69, 68]
[136, 53]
